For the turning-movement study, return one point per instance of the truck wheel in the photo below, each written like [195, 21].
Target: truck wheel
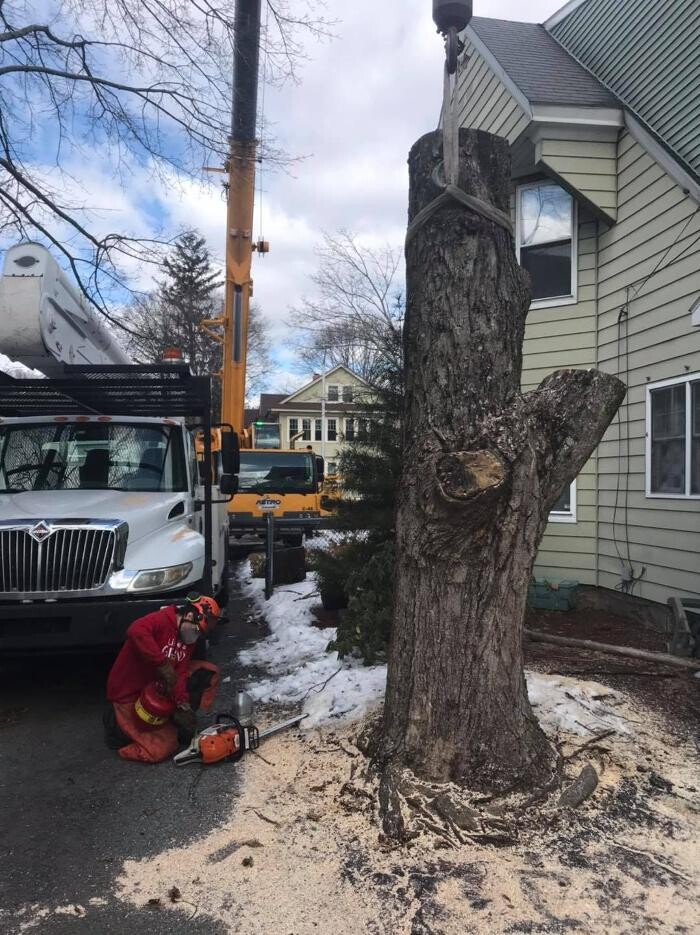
[222, 591]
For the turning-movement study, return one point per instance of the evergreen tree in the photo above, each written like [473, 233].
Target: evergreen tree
[192, 292]
[362, 569]
[188, 295]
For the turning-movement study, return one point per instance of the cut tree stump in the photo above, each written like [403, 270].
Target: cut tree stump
[483, 466]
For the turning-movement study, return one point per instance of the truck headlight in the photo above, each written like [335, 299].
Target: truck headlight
[153, 578]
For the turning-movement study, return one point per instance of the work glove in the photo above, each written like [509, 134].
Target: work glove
[185, 720]
[167, 676]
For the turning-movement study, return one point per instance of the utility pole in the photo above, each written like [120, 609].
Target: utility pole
[323, 410]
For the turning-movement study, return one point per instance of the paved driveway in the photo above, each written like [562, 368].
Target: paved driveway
[71, 811]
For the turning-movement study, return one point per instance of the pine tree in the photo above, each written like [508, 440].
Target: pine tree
[362, 570]
[190, 293]
[189, 297]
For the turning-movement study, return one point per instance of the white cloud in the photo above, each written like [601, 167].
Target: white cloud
[364, 99]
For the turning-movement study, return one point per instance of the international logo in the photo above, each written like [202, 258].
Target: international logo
[40, 532]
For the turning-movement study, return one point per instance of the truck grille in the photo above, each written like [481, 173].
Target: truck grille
[67, 560]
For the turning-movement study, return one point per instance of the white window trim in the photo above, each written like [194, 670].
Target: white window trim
[688, 378]
[570, 515]
[571, 299]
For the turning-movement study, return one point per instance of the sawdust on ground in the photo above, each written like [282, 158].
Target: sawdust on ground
[301, 852]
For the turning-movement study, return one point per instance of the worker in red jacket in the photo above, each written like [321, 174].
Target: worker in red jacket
[154, 686]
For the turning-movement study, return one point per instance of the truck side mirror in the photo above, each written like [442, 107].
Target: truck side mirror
[320, 469]
[230, 453]
[228, 484]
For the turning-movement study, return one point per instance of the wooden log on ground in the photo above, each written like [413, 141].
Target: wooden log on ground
[579, 790]
[662, 658]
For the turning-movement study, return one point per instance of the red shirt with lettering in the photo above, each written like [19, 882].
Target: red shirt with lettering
[150, 641]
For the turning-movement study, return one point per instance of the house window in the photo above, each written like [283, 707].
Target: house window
[293, 428]
[362, 429]
[318, 430]
[332, 430]
[347, 393]
[332, 392]
[306, 429]
[349, 430]
[564, 510]
[673, 438]
[545, 240]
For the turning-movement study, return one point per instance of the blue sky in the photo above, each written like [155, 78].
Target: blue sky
[363, 100]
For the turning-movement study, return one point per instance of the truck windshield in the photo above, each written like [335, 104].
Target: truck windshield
[276, 472]
[91, 456]
[267, 436]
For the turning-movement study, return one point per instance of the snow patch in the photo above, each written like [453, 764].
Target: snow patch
[298, 669]
[14, 369]
[295, 657]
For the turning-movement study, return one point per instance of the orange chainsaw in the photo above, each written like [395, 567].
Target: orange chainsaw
[228, 739]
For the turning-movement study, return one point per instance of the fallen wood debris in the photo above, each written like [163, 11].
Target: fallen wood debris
[662, 658]
[580, 788]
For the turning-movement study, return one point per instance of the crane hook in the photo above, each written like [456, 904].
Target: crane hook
[451, 17]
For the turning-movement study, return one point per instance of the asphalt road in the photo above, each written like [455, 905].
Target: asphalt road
[71, 811]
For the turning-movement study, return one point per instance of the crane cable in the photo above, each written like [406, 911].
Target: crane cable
[447, 179]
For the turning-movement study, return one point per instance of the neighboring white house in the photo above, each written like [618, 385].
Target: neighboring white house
[600, 107]
[327, 410]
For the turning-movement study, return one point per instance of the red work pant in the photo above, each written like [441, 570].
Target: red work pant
[155, 744]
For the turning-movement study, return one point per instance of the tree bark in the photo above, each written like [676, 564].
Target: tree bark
[483, 466]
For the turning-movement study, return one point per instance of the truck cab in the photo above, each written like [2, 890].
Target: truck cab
[285, 483]
[103, 517]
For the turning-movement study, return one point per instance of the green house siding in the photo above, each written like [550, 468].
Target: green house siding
[657, 232]
[556, 337]
[658, 229]
[639, 251]
[588, 167]
[484, 103]
[647, 53]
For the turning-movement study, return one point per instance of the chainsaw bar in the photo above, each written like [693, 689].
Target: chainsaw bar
[249, 737]
[283, 725]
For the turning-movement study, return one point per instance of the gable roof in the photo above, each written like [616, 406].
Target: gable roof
[268, 401]
[320, 379]
[535, 62]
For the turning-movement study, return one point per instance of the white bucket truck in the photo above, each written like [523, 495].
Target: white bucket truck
[107, 508]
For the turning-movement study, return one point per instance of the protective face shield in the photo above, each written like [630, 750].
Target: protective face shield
[189, 630]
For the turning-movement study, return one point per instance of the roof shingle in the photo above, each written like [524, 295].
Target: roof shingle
[539, 66]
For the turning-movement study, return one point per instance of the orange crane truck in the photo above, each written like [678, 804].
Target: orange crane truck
[286, 483]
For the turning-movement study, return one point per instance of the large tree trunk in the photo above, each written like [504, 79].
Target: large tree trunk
[483, 466]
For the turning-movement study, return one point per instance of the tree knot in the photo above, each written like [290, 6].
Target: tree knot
[466, 475]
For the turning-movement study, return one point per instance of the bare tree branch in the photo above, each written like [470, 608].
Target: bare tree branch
[356, 316]
[138, 84]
